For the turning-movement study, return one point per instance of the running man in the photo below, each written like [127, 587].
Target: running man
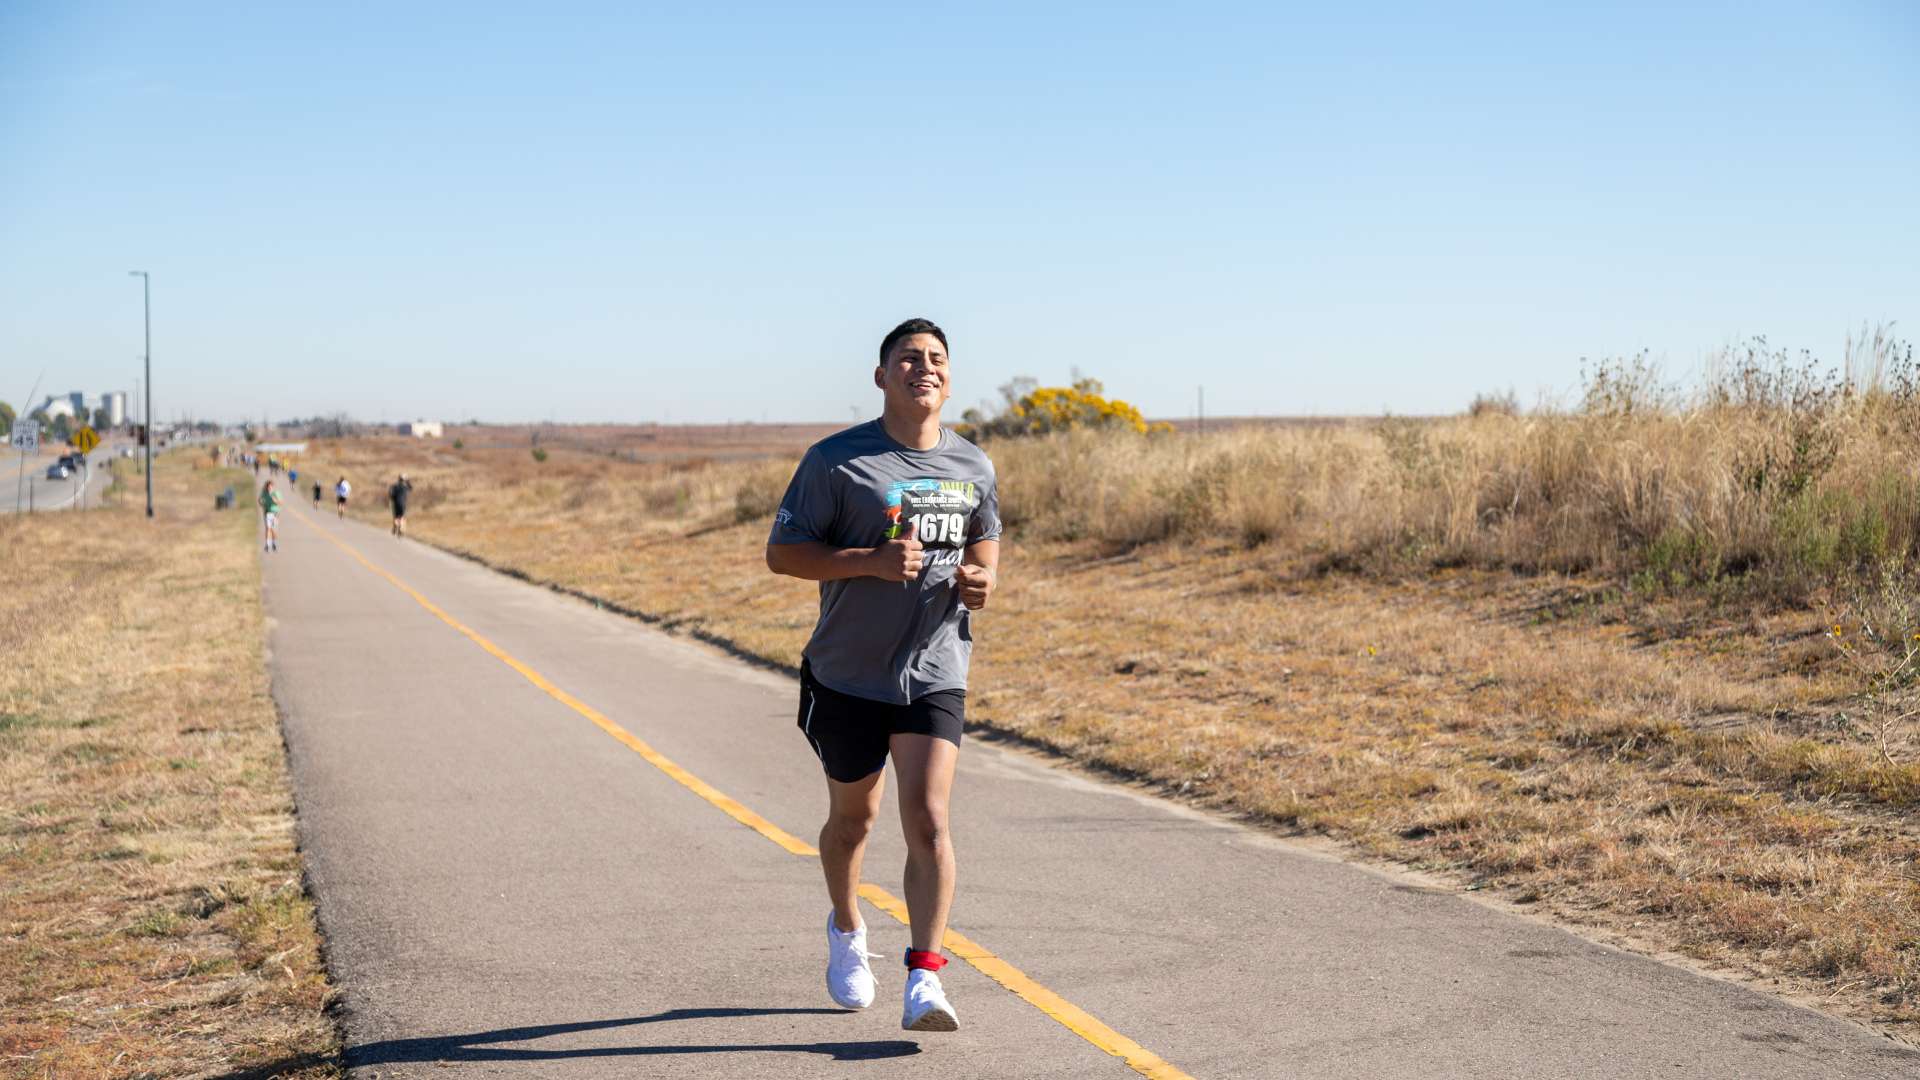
[270, 507]
[316, 494]
[340, 492]
[899, 521]
[397, 495]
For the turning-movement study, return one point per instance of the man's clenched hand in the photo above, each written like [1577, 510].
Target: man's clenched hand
[976, 584]
[900, 559]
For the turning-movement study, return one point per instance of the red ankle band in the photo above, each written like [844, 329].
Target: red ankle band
[925, 961]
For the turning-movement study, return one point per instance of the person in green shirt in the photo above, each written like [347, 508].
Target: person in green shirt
[270, 506]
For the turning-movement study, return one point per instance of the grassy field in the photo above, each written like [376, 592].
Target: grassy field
[152, 915]
[1322, 629]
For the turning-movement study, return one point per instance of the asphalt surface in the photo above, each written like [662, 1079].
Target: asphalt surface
[30, 488]
[506, 890]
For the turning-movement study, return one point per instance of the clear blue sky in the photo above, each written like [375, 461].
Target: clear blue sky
[614, 213]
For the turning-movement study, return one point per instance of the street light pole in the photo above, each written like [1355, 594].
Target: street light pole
[146, 303]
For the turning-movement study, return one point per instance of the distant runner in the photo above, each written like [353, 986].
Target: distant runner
[397, 495]
[340, 492]
[316, 494]
[270, 508]
[898, 520]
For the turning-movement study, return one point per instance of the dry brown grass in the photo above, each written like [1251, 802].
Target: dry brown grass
[1747, 500]
[152, 915]
[1700, 775]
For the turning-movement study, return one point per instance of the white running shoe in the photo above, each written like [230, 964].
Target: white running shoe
[849, 976]
[927, 1008]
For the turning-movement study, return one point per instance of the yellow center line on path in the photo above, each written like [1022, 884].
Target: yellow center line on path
[1068, 1015]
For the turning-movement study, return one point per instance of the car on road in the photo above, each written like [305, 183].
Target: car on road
[58, 471]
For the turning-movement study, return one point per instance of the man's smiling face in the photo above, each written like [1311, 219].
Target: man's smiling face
[915, 376]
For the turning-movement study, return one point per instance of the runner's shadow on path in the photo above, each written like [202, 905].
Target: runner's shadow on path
[479, 1045]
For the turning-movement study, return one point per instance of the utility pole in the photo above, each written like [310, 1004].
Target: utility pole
[146, 304]
[1203, 410]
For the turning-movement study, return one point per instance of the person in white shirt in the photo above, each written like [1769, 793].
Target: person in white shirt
[340, 492]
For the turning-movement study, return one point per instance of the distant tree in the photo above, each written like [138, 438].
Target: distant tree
[1495, 404]
[102, 419]
[539, 454]
[1031, 409]
[337, 426]
[62, 428]
[6, 418]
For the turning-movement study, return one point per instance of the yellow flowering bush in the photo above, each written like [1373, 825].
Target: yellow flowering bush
[1031, 409]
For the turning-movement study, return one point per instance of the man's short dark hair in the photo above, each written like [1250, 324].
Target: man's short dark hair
[908, 329]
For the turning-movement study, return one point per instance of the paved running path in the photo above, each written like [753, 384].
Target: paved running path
[508, 890]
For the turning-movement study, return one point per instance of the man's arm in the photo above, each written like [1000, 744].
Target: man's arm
[978, 573]
[815, 561]
[895, 560]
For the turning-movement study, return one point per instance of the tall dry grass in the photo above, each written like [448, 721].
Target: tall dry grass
[1775, 474]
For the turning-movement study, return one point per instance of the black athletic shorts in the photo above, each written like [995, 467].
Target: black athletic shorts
[849, 734]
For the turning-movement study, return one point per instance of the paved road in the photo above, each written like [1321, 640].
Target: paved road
[509, 890]
[30, 488]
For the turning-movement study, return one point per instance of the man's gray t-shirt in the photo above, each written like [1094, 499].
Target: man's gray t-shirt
[891, 640]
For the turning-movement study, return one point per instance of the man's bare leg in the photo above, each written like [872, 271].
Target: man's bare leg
[925, 766]
[851, 810]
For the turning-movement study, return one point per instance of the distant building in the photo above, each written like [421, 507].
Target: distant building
[56, 407]
[115, 402]
[81, 407]
[423, 429]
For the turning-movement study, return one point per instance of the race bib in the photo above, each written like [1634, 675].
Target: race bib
[939, 510]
